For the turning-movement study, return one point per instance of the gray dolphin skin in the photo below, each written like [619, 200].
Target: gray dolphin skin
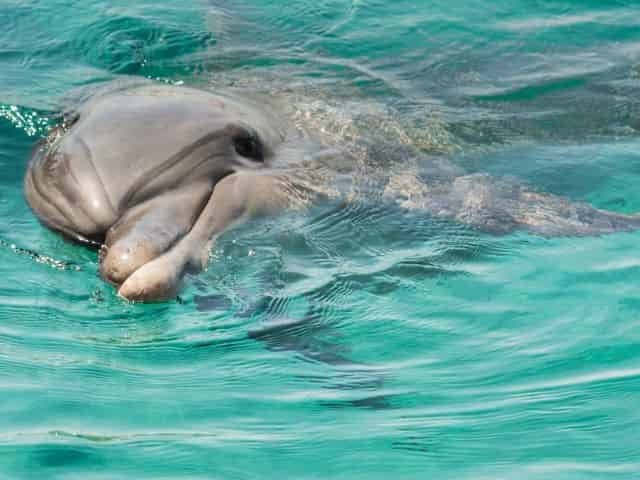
[153, 174]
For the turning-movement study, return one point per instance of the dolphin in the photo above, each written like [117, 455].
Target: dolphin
[153, 174]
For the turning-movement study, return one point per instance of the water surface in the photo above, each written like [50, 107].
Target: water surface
[364, 341]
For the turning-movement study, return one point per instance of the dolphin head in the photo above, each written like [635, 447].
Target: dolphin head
[135, 169]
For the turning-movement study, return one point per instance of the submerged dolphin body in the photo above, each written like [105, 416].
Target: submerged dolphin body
[154, 173]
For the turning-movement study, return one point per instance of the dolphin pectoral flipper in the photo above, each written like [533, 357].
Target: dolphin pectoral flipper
[235, 198]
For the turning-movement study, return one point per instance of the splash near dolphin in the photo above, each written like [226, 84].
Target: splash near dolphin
[154, 173]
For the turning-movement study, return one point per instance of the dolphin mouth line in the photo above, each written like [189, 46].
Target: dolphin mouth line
[138, 185]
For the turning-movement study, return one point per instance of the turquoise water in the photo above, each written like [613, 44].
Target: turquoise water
[353, 342]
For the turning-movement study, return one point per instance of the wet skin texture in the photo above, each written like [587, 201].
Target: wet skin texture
[153, 174]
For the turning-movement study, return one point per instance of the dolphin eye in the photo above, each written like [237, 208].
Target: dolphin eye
[70, 119]
[248, 145]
